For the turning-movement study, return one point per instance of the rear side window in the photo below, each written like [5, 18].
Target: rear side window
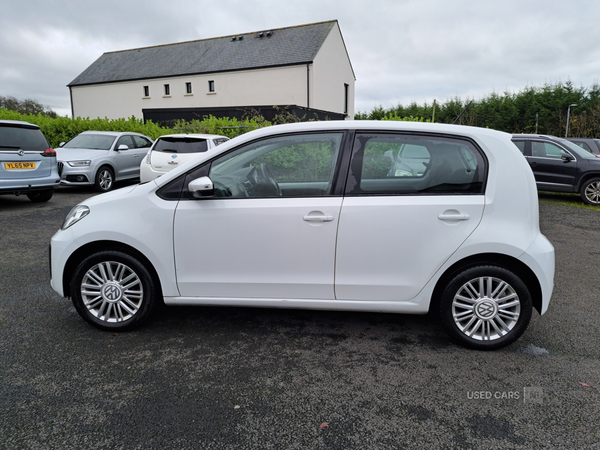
[22, 138]
[180, 145]
[387, 164]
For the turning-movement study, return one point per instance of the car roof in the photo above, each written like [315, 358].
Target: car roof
[112, 133]
[194, 135]
[18, 122]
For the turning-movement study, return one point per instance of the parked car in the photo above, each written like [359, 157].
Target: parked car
[290, 216]
[100, 158]
[27, 163]
[560, 165]
[589, 145]
[169, 151]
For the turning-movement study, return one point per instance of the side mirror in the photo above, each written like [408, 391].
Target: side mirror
[567, 158]
[61, 144]
[123, 147]
[201, 187]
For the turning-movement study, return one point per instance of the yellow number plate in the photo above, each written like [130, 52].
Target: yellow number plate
[19, 165]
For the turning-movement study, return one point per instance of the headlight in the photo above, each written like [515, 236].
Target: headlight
[75, 215]
[79, 163]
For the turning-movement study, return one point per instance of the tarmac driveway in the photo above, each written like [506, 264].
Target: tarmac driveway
[224, 378]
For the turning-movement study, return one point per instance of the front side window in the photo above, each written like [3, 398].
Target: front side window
[211, 86]
[167, 89]
[125, 140]
[285, 166]
[146, 91]
[547, 150]
[188, 88]
[388, 164]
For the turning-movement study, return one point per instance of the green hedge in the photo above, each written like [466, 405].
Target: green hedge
[62, 129]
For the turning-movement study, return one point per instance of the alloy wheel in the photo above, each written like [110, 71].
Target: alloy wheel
[112, 292]
[486, 308]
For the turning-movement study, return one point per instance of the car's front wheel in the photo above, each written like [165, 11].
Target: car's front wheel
[113, 290]
[485, 307]
[40, 196]
[590, 192]
[105, 179]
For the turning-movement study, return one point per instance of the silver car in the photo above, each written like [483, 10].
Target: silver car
[27, 163]
[100, 158]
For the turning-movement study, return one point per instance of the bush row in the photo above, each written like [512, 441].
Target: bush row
[62, 129]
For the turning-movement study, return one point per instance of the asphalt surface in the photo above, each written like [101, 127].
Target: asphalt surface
[233, 378]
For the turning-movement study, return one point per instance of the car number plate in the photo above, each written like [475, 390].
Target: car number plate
[19, 165]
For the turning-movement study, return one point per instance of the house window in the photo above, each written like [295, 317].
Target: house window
[346, 88]
[167, 89]
[146, 91]
[188, 88]
[211, 86]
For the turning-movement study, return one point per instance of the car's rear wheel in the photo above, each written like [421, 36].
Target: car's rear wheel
[40, 196]
[105, 179]
[113, 290]
[590, 192]
[485, 307]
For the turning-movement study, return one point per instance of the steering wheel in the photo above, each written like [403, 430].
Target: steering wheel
[268, 176]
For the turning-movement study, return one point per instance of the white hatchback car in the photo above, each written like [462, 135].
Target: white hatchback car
[310, 215]
[170, 150]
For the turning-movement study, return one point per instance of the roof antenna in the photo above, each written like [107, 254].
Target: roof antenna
[463, 111]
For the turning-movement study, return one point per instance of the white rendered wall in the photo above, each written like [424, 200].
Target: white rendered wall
[260, 87]
[331, 70]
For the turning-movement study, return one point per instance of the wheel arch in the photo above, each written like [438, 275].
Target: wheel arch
[83, 252]
[507, 262]
[585, 178]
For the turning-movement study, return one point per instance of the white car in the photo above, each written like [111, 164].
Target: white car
[170, 150]
[99, 158]
[308, 215]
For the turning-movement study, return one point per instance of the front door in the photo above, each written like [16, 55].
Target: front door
[270, 231]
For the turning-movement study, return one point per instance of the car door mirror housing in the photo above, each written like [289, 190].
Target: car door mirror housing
[567, 158]
[122, 147]
[201, 187]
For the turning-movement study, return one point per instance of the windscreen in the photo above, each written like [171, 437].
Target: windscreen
[91, 141]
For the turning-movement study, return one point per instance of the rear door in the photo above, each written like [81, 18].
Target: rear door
[397, 228]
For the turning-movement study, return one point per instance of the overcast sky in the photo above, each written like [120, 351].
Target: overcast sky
[401, 50]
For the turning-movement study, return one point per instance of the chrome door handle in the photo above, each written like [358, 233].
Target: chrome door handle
[454, 216]
[317, 218]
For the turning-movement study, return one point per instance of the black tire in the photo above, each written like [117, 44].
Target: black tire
[113, 290]
[40, 196]
[105, 179]
[590, 192]
[485, 307]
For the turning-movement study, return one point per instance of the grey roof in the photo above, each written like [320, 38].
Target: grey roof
[282, 47]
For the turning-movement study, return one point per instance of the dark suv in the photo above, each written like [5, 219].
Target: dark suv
[561, 166]
[27, 163]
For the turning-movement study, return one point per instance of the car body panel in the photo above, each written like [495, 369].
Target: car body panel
[263, 251]
[23, 166]
[558, 164]
[158, 162]
[124, 163]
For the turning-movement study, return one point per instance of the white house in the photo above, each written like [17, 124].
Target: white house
[305, 68]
